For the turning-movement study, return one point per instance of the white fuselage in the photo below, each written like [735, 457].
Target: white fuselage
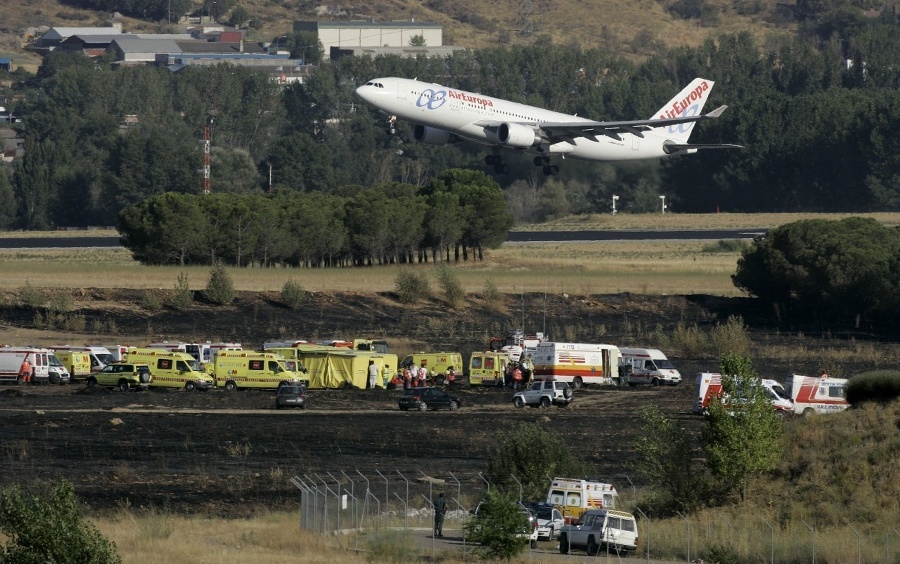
[474, 117]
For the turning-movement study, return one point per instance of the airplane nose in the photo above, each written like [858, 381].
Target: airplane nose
[364, 92]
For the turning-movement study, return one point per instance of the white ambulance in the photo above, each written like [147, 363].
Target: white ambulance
[709, 386]
[576, 363]
[574, 496]
[22, 364]
[99, 356]
[817, 395]
[648, 366]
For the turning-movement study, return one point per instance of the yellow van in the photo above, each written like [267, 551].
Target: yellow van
[246, 369]
[437, 364]
[171, 369]
[487, 368]
[78, 363]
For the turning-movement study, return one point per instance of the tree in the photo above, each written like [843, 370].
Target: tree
[742, 435]
[666, 460]
[417, 41]
[220, 288]
[497, 527]
[531, 453]
[49, 528]
[7, 201]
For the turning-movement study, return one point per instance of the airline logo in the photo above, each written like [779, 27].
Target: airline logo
[434, 99]
[681, 107]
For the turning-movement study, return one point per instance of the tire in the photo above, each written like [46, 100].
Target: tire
[578, 382]
[423, 406]
[563, 544]
[545, 402]
[145, 377]
[655, 382]
[404, 408]
[91, 381]
[438, 380]
[190, 386]
[518, 402]
[567, 392]
[230, 385]
[123, 385]
[54, 378]
[591, 547]
[532, 544]
[454, 406]
[808, 412]
[20, 380]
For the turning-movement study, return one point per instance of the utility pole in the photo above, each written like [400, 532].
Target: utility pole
[207, 143]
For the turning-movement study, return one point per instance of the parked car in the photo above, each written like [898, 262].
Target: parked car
[549, 520]
[290, 395]
[599, 530]
[424, 399]
[530, 533]
[123, 376]
[544, 393]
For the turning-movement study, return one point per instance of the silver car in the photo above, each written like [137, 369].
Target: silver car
[549, 521]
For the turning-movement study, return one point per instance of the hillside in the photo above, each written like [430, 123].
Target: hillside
[617, 25]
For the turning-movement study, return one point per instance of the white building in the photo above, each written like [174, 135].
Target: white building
[376, 38]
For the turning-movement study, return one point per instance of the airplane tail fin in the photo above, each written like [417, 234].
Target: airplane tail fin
[689, 102]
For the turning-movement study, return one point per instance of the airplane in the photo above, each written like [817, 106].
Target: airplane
[441, 115]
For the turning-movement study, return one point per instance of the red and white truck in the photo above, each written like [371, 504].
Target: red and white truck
[576, 363]
[709, 386]
[574, 496]
[817, 395]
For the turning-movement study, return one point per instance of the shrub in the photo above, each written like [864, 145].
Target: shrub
[292, 294]
[32, 297]
[220, 288]
[151, 301]
[49, 528]
[391, 547]
[730, 338]
[495, 529]
[183, 297]
[449, 283]
[60, 302]
[882, 386]
[410, 286]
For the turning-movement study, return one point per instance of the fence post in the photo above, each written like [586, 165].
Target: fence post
[406, 506]
[772, 529]
[340, 500]
[858, 544]
[814, 539]
[520, 486]
[730, 535]
[649, 531]
[387, 508]
[485, 481]
[689, 534]
[887, 544]
[366, 502]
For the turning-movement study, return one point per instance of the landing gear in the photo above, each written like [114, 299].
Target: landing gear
[496, 161]
[544, 163]
[392, 125]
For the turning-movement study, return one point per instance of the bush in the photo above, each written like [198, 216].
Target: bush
[183, 297]
[32, 297]
[730, 338]
[410, 286]
[882, 386]
[220, 288]
[449, 283]
[292, 294]
[49, 528]
[391, 547]
[151, 301]
[496, 528]
[60, 302]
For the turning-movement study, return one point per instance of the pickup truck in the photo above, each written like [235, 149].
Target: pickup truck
[598, 530]
[544, 393]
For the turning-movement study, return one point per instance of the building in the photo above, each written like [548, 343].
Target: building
[56, 35]
[6, 64]
[378, 38]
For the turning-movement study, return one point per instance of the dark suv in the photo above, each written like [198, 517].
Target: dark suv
[290, 395]
[424, 399]
[122, 376]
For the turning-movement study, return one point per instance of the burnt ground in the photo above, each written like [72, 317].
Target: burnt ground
[223, 453]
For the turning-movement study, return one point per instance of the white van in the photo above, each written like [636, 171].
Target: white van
[22, 365]
[817, 395]
[601, 530]
[709, 385]
[100, 356]
[648, 366]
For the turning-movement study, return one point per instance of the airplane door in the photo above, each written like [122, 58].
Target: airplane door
[635, 143]
[401, 90]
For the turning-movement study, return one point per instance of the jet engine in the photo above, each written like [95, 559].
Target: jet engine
[517, 135]
[432, 135]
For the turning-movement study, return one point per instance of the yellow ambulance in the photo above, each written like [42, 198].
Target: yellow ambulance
[247, 369]
[487, 368]
[172, 369]
[78, 363]
[437, 364]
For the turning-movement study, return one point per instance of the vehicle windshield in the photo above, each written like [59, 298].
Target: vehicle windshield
[779, 391]
[195, 365]
[664, 364]
[105, 358]
[544, 513]
[53, 360]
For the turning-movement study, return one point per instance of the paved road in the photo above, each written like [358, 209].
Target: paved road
[514, 237]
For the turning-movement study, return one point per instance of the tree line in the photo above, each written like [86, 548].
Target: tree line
[817, 113]
[454, 217]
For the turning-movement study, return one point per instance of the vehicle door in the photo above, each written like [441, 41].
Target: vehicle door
[436, 398]
[613, 529]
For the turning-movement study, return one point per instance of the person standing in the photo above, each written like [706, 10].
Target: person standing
[414, 375]
[440, 507]
[373, 374]
[423, 374]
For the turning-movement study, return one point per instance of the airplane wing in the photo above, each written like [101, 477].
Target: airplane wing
[561, 131]
[672, 148]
